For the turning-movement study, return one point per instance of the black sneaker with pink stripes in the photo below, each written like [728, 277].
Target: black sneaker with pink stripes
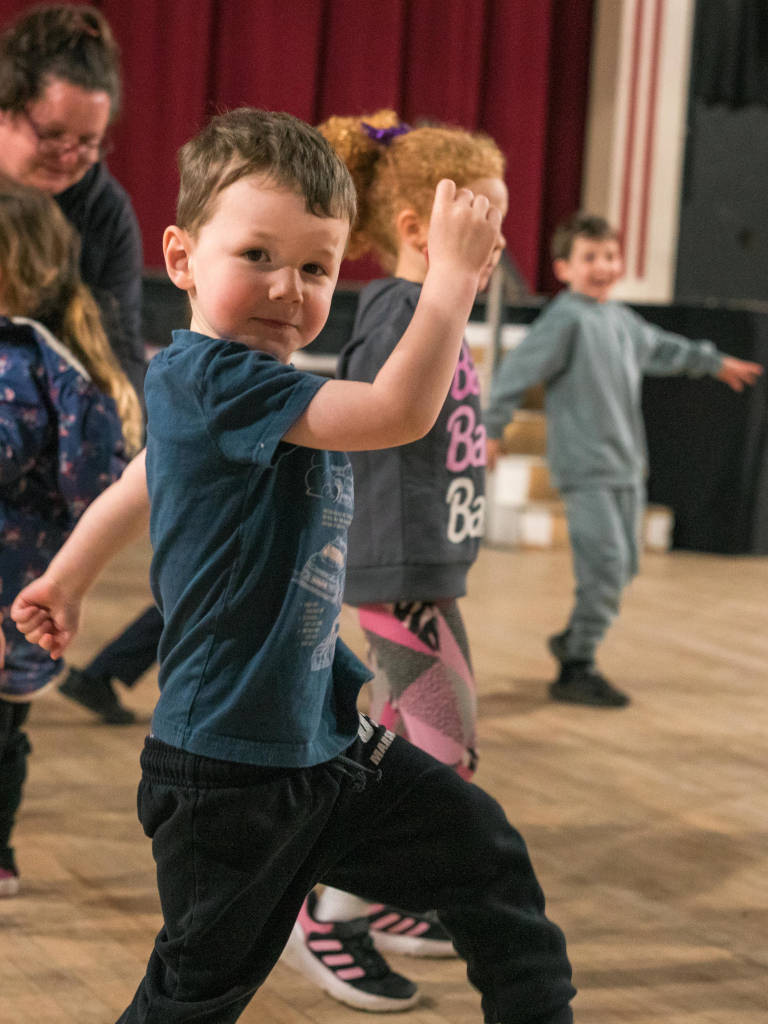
[340, 958]
[409, 934]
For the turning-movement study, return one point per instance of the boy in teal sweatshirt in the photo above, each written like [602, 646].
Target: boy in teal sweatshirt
[592, 353]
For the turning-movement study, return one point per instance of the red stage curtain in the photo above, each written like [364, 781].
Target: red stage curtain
[517, 69]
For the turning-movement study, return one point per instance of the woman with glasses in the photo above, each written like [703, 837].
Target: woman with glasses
[59, 92]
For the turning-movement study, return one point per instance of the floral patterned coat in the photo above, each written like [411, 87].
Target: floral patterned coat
[61, 444]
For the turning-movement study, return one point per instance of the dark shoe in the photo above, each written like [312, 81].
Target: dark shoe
[98, 696]
[339, 957]
[557, 645]
[581, 683]
[408, 934]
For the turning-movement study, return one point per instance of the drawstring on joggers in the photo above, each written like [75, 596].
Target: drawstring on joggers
[358, 773]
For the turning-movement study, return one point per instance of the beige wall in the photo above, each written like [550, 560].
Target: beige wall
[636, 134]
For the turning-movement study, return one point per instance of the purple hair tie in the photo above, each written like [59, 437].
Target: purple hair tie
[384, 135]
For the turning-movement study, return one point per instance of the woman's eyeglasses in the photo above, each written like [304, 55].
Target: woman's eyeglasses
[55, 144]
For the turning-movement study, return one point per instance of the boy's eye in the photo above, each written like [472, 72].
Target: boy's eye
[314, 269]
[256, 255]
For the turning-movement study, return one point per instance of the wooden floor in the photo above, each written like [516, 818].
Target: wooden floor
[648, 826]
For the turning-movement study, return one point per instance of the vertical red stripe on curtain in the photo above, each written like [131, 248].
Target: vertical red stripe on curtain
[166, 69]
[362, 72]
[362, 64]
[443, 60]
[514, 112]
[264, 55]
[566, 125]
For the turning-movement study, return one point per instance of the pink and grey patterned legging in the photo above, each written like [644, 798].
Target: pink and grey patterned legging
[423, 687]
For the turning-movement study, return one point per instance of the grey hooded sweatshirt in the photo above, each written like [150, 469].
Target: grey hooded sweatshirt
[419, 508]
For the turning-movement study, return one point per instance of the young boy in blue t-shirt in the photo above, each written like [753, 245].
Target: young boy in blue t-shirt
[259, 778]
[592, 354]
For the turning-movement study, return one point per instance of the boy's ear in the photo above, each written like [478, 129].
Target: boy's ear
[411, 230]
[562, 270]
[177, 250]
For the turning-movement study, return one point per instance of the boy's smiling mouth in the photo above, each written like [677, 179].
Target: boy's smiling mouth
[271, 322]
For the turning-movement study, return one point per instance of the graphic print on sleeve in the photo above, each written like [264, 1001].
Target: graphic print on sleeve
[329, 479]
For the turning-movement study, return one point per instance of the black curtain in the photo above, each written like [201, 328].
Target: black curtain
[730, 63]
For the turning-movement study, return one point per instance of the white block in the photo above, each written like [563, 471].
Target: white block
[478, 334]
[657, 531]
[502, 524]
[511, 481]
[536, 527]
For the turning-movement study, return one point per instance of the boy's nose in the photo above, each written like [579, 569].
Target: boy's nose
[285, 285]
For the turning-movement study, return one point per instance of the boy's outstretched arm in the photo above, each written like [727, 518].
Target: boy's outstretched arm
[739, 373]
[541, 355]
[664, 353]
[48, 610]
[404, 400]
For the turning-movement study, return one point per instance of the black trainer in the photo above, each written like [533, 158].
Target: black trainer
[98, 696]
[408, 934]
[581, 683]
[340, 958]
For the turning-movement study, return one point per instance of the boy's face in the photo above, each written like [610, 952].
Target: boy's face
[593, 268]
[262, 270]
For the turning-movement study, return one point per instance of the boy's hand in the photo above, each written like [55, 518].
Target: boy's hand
[463, 230]
[738, 373]
[46, 616]
[492, 452]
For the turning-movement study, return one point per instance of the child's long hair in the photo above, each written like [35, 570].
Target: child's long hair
[395, 167]
[40, 279]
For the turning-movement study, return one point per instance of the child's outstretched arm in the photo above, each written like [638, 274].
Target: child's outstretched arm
[404, 400]
[541, 355]
[739, 373]
[48, 610]
[665, 353]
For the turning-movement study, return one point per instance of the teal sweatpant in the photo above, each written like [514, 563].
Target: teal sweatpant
[604, 528]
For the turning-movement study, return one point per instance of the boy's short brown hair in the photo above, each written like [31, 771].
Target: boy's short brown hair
[248, 141]
[581, 225]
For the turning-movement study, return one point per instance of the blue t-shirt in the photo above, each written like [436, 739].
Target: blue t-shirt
[249, 538]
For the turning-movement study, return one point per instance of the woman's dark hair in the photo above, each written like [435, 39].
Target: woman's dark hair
[72, 42]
